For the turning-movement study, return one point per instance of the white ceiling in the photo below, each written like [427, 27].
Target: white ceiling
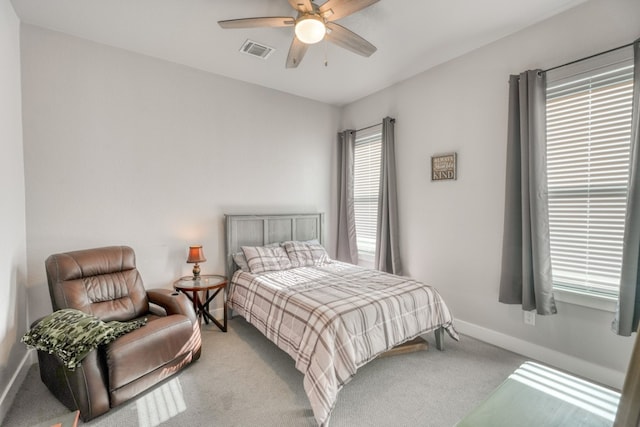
[411, 36]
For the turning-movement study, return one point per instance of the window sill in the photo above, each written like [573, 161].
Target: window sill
[591, 301]
[366, 263]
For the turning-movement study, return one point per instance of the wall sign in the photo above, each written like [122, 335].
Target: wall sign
[443, 167]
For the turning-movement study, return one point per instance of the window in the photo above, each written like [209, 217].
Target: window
[366, 189]
[588, 153]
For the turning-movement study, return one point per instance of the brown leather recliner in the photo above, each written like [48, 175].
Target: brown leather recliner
[104, 282]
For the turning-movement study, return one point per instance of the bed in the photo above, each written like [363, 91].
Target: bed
[330, 317]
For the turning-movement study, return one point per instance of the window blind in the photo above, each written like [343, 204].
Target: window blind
[588, 152]
[367, 158]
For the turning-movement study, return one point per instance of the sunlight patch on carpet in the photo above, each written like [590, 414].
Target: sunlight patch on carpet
[161, 404]
[585, 395]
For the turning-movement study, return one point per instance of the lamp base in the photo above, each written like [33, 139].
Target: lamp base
[196, 271]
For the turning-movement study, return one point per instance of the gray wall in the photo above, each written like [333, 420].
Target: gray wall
[122, 148]
[13, 306]
[451, 232]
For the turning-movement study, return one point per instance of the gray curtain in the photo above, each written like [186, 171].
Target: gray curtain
[526, 255]
[628, 312]
[387, 248]
[347, 249]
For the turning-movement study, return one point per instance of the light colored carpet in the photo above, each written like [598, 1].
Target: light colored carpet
[242, 379]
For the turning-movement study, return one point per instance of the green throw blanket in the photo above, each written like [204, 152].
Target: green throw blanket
[71, 334]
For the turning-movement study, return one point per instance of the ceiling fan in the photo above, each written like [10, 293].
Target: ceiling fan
[313, 24]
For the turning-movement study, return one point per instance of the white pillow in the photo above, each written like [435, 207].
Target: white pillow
[240, 261]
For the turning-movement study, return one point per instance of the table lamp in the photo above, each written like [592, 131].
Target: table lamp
[195, 256]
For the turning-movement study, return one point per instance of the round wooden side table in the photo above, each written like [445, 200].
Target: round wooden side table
[204, 284]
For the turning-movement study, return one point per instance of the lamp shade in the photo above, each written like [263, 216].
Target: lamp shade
[195, 255]
[310, 29]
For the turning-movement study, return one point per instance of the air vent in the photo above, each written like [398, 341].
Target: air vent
[256, 49]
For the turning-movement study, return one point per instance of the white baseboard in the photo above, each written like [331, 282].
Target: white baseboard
[576, 366]
[10, 392]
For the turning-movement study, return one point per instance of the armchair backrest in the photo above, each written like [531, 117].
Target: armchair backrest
[103, 282]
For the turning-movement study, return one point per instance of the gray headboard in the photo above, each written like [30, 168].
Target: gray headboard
[260, 230]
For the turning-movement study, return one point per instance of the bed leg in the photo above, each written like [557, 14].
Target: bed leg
[440, 339]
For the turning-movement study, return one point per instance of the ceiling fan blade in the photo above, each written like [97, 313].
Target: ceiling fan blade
[349, 40]
[301, 5]
[270, 21]
[336, 9]
[296, 53]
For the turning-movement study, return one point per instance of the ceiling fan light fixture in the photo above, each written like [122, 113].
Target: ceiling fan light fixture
[313, 23]
[310, 29]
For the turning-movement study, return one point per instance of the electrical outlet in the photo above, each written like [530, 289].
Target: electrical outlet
[530, 318]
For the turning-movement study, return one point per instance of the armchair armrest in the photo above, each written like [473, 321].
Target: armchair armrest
[173, 302]
[84, 389]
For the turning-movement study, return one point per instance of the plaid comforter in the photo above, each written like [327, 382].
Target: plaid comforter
[335, 318]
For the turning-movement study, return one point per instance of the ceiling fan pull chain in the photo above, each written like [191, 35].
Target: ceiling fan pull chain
[326, 61]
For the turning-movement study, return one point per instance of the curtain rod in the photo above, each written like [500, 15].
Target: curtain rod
[591, 56]
[369, 127]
